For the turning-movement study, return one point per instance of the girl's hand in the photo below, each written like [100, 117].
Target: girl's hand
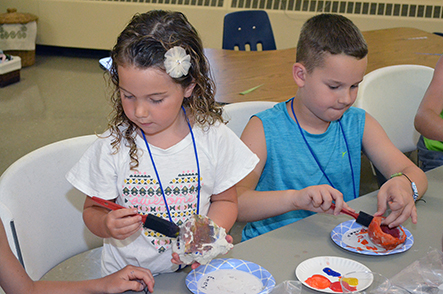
[319, 199]
[122, 223]
[129, 278]
[176, 259]
[397, 193]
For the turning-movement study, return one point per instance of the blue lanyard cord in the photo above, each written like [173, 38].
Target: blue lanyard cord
[196, 160]
[350, 161]
[158, 178]
[315, 157]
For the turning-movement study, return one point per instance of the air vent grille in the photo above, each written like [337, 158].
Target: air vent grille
[349, 7]
[203, 3]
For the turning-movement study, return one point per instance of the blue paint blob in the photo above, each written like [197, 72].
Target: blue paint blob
[331, 272]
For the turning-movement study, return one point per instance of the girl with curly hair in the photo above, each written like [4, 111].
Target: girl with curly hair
[167, 151]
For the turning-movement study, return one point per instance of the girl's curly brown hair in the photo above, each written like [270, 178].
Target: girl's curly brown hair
[143, 44]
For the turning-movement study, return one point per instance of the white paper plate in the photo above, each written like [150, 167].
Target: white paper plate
[225, 272]
[330, 267]
[347, 236]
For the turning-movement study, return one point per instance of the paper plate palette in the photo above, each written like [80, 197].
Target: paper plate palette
[330, 267]
[354, 237]
[229, 275]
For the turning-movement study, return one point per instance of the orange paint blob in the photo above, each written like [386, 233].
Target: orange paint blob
[318, 282]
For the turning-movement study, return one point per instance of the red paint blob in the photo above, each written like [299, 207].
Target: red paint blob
[336, 287]
[318, 282]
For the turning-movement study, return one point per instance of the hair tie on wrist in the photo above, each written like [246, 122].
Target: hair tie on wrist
[415, 194]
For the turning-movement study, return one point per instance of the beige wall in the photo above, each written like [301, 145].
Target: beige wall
[96, 24]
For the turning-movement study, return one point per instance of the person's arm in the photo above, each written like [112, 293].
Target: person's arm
[119, 224]
[14, 279]
[427, 120]
[224, 208]
[396, 192]
[257, 205]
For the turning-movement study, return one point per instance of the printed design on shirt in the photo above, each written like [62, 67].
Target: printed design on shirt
[142, 191]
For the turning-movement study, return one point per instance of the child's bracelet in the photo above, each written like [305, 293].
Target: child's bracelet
[413, 185]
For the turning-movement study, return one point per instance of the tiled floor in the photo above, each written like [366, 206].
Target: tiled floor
[63, 95]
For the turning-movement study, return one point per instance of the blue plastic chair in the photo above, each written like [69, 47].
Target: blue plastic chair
[248, 27]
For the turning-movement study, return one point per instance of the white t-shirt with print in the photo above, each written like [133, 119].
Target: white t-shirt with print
[224, 160]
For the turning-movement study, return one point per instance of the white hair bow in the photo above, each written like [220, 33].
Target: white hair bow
[177, 62]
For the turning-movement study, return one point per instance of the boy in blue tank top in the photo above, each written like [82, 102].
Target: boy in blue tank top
[310, 146]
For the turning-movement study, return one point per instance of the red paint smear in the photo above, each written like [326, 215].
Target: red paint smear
[321, 282]
[336, 287]
[347, 287]
[318, 282]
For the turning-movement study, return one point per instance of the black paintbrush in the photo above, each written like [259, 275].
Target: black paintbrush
[361, 218]
[150, 221]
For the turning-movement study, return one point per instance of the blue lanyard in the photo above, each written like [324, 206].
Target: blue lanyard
[315, 157]
[158, 178]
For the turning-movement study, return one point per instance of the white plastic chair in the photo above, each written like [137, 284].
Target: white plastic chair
[392, 95]
[238, 114]
[44, 208]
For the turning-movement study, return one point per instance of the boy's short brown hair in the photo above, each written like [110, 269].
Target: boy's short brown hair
[329, 33]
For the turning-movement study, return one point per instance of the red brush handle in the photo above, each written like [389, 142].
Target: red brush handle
[345, 211]
[111, 205]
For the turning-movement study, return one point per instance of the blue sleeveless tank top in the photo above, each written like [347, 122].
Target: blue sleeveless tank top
[290, 164]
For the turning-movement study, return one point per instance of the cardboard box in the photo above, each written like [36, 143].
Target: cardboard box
[10, 71]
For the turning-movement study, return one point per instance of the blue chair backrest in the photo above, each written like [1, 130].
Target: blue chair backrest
[248, 27]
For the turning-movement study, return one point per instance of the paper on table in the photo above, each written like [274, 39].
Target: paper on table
[250, 90]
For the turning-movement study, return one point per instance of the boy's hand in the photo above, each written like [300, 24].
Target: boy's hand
[319, 199]
[129, 278]
[396, 193]
[122, 223]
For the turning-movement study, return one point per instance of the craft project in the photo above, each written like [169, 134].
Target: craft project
[200, 240]
[379, 234]
[353, 237]
[383, 236]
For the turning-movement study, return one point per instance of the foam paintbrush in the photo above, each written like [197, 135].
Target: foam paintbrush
[150, 221]
[361, 218]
